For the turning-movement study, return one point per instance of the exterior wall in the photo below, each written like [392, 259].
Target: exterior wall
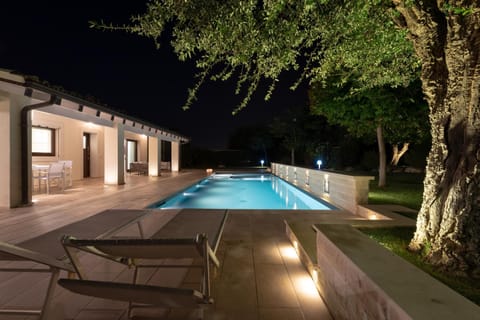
[342, 190]
[70, 142]
[10, 140]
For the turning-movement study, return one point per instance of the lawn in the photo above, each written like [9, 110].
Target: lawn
[406, 189]
[396, 239]
[402, 188]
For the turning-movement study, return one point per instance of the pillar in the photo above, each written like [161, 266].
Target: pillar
[114, 155]
[175, 156]
[11, 155]
[154, 156]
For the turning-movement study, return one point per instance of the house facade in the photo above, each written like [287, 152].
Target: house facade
[40, 125]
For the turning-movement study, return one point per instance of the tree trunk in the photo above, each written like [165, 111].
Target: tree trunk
[292, 156]
[397, 155]
[382, 159]
[448, 45]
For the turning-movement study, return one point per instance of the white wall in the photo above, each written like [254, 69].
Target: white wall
[11, 156]
[5, 160]
[70, 142]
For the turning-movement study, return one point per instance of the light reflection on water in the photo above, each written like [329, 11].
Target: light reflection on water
[244, 191]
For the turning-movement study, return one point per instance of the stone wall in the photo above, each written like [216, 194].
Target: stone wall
[343, 191]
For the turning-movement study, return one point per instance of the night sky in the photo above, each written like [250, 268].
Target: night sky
[52, 40]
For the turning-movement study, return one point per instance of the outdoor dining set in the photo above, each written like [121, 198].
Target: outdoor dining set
[56, 173]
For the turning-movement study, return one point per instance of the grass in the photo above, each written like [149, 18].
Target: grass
[396, 239]
[404, 189]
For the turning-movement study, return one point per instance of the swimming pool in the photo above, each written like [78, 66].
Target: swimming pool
[243, 191]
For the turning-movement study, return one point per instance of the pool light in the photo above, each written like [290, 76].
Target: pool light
[319, 164]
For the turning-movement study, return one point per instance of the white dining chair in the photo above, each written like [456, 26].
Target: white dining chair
[55, 173]
[67, 172]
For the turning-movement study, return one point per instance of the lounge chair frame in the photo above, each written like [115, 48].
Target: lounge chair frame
[143, 253]
[10, 252]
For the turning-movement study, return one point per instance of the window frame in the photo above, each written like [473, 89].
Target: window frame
[53, 146]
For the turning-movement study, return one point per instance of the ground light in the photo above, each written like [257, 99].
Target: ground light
[304, 283]
[319, 164]
[262, 162]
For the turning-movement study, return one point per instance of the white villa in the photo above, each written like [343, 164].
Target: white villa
[40, 125]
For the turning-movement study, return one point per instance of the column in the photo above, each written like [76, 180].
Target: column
[11, 155]
[114, 153]
[154, 156]
[175, 156]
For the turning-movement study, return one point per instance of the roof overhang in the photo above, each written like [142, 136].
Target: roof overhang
[70, 106]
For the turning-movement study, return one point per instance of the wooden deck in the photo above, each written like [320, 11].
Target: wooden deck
[258, 278]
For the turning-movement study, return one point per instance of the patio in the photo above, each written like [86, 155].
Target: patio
[257, 279]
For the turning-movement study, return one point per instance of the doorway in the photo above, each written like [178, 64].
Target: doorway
[131, 153]
[86, 155]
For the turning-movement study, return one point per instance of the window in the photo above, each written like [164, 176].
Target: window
[43, 141]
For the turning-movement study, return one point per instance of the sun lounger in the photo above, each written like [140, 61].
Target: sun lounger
[144, 253]
[48, 255]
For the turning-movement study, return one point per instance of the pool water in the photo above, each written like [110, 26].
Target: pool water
[243, 191]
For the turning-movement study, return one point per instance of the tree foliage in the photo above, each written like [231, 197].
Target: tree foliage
[401, 112]
[255, 41]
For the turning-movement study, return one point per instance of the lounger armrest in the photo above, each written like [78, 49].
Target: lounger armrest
[13, 252]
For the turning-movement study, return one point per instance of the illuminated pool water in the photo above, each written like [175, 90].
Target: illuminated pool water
[243, 191]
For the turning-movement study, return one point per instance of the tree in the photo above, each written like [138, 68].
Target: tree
[288, 129]
[397, 116]
[254, 138]
[257, 40]
[299, 130]
[446, 37]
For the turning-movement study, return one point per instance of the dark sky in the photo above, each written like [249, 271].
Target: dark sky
[52, 40]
